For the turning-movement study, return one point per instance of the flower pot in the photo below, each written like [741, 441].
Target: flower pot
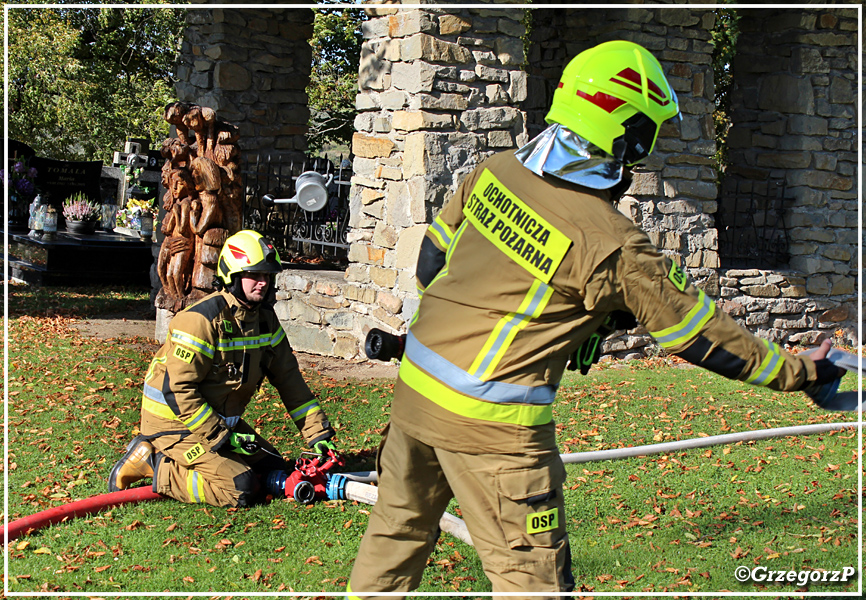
[81, 227]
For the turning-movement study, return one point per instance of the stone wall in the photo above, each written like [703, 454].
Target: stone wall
[324, 314]
[775, 305]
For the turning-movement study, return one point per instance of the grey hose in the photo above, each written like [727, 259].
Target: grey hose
[368, 494]
[715, 440]
[357, 489]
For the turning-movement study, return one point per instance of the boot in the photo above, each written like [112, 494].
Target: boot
[135, 465]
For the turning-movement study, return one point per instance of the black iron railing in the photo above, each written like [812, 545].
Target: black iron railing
[751, 224]
[300, 236]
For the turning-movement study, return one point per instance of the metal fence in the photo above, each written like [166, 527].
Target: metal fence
[301, 237]
[751, 224]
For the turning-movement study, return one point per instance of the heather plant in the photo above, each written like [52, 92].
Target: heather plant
[78, 208]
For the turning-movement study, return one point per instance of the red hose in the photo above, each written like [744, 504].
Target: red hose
[79, 508]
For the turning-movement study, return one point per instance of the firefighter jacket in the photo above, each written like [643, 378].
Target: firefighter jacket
[515, 273]
[216, 354]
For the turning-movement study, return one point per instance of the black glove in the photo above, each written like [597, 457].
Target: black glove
[824, 390]
[590, 350]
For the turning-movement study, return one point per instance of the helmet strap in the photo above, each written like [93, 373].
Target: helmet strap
[236, 289]
[620, 188]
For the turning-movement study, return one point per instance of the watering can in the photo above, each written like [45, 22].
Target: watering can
[311, 192]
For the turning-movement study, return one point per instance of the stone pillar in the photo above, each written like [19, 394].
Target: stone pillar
[439, 90]
[252, 66]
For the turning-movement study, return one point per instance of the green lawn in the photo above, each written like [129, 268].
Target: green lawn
[676, 523]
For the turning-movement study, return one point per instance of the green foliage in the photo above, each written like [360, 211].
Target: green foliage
[724, 41]
[83, 79]
[669, 523]
[336, 44]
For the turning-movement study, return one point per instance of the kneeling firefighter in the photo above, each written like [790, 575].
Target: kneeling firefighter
[523, 266]
[194, 442]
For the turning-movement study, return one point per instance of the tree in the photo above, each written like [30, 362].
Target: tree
[83, 79]
[724, 40]
[336, 44]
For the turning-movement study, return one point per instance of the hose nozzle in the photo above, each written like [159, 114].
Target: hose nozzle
[380, 345]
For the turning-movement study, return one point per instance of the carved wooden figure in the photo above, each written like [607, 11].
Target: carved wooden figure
[203, 202]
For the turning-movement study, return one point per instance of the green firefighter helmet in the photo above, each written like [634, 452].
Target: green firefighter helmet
[247, 252]
[616, 96]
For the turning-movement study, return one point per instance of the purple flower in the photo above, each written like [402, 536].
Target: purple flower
[3, 174]
[25, 186]
[19, 167]
[32, 173]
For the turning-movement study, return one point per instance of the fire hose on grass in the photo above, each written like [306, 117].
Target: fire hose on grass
[339, 488]
[311, 479]
[355, 486]
[668, 447]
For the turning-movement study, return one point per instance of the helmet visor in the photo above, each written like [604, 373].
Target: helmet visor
[637, 141]
[270, 262]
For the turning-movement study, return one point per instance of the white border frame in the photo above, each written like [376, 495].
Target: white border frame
[859, 294]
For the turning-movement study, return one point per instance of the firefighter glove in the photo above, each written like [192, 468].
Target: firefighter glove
[590, 350]
[324, 446]
[243, 443]
[824, 390]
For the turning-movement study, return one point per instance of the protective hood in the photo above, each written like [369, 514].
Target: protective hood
[560, 152]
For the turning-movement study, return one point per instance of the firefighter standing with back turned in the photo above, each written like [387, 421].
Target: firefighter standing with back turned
[528, 266]
[194, 442]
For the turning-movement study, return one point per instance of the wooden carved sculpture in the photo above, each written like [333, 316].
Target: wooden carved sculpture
[203, 202]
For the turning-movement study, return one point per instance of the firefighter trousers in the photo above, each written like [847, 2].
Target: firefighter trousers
[187, 473]
[512, 505]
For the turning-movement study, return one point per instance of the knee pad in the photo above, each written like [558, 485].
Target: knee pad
[247, 484]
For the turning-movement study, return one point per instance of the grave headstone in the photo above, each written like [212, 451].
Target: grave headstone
[59, 179]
